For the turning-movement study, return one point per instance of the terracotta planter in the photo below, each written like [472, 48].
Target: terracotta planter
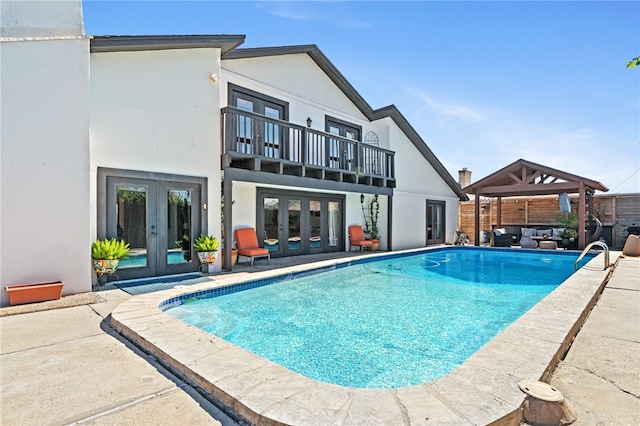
[36, 292]
[234, 256]
[376, 245]
[105, 266]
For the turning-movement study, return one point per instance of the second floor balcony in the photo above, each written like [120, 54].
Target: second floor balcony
[256, 142]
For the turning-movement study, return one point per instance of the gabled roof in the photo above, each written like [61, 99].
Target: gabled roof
[228, 45]
[343, 84]
[523, 178]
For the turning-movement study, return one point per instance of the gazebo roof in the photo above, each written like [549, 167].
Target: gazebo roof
[524, 178]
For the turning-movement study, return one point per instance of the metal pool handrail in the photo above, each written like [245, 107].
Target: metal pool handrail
[586, 250]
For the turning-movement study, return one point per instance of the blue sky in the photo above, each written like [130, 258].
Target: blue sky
[483, 83]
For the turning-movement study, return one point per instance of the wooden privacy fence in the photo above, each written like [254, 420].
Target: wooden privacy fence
[617, 213]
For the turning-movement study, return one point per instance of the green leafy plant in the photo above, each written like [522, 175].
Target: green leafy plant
[568, 233]
[569, 221]
[184, 243]
[109, 249]
[206, 243]
[371, 218]
[461, 238]
[374, 210]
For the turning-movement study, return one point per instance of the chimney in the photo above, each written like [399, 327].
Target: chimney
[464, 177]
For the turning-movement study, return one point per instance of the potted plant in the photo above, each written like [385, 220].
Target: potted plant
[185, 244]
[106, 254]
[207, 248]
[569, 222]
[568, 235]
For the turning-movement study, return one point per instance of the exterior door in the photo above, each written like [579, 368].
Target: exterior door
[258, 137]
[159, 220]
[435, 222]
[292, 224]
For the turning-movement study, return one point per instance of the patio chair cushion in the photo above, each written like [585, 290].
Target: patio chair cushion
[527, 232]
[253, 251]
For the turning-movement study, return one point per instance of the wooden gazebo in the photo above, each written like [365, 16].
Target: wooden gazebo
[524, 178]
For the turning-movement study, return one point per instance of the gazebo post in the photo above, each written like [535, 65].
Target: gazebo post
[477, 220]
[499, 212]
[582, 211]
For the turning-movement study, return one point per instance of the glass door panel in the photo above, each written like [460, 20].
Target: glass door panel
[293, 236]
[435, 222]
[131, 223]
[244, 128]
[334, 224]
[271, 134]
[271, 209]
[315, 225]
[179, 225]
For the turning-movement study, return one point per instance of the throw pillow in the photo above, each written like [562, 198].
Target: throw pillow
[527, 232]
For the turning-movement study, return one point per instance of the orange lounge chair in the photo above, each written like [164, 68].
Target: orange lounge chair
[356, 238]
[247, 243]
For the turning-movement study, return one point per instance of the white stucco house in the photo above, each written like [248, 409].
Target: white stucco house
[137, 137]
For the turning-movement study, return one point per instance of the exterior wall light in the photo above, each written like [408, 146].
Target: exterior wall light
[214, 77]
[308, 121]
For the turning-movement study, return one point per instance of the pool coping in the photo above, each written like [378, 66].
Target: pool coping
[483, 390]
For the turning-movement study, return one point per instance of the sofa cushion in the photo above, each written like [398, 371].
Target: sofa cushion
[499, 231]
[555, 232]
[527, 232]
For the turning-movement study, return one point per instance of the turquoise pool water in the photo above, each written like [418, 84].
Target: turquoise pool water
[390, 323]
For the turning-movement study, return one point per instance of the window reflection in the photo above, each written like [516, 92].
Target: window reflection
[271, 225]
[131, 220]
[178, 226]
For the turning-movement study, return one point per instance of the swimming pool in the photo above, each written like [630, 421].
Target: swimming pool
[484, 389]
[386, 324]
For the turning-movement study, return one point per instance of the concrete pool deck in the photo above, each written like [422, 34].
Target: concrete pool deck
[100, 379]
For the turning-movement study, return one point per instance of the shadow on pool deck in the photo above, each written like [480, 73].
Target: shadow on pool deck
[78, 369]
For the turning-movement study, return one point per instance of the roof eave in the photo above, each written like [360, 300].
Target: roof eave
[226, 43]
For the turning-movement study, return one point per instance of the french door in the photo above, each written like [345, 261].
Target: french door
[266, 138]
[159, 219]
[292, 223]
[435, 222]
